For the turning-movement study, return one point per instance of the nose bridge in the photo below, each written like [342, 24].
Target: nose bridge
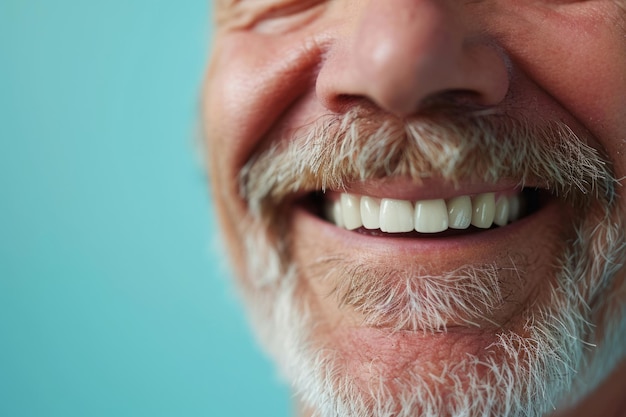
[400, 52]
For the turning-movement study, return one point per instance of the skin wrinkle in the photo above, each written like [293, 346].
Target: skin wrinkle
[246, 14]
[324, 312]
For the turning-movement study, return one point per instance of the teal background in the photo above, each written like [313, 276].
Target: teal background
[112, 302]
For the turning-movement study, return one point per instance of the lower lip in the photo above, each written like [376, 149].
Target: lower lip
[512, 234]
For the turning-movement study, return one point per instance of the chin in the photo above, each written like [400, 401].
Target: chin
[547, 354]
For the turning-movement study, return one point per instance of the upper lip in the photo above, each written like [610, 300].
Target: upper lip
[427, 189]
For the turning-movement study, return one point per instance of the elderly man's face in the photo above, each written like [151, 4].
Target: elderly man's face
[421, 198]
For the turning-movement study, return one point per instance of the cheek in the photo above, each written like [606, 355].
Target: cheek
[253, 80]
[231, 100]
[590, 80]
[576, 54]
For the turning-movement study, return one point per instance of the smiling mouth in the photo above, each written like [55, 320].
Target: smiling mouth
[463, 214]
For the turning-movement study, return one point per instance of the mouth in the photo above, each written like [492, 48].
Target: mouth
[457, 215]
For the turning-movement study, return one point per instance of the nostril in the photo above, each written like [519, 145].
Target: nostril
[458, 100]
[342, 103]
[465, 100]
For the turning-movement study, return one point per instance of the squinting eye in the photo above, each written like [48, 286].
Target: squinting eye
[274, 8]
[277, 16]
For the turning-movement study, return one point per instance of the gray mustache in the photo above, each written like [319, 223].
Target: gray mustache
[450, 145]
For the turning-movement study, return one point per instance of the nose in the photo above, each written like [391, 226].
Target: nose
[399, 54]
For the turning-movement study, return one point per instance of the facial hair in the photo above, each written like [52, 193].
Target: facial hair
[551, 363]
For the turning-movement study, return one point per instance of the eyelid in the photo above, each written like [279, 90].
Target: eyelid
[287, 7]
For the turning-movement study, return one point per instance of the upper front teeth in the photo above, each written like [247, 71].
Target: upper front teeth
[425, 216]
[396, 215]
[431, 216]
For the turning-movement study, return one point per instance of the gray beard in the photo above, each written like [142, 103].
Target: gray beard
[563, 355]
[570, 342]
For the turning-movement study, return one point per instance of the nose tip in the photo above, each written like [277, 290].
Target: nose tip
[400, 54]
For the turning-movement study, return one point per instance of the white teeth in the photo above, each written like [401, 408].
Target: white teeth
[396, 216]
[431, 216]
[501, 218]
[459, 212]
[484, 210]
[351, 209]
[370, 212]
[338, 214]
[333, 213]
[424, 216]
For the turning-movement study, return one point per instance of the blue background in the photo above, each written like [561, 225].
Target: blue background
[111, 301]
